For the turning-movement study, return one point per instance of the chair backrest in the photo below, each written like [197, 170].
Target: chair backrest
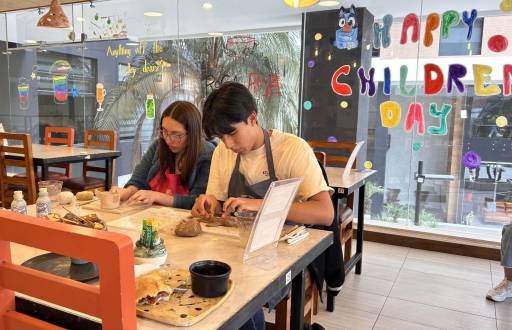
[113, 301]
[103, 140]
[19, 157]
[321, 157]
[337, 153]
[49, 138]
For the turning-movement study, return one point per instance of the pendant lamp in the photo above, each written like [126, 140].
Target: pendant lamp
[55, 17]
[300, 3]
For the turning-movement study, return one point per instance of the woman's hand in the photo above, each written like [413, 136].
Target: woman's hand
[241, 204]
[145, 196]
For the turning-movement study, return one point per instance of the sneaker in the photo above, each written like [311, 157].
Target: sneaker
[501, 292]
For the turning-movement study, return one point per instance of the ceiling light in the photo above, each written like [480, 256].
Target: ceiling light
[55, 17]
[153, 14]
[207, 5]
[215, 34]
[80, 19]
[30, 41]
[328, 3]
[300, 3]
[132, 44]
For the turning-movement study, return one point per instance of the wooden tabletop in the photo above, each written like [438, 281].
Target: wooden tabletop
[250, 279]
[336, 179]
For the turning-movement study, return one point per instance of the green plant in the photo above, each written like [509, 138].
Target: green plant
[393, 211]
[428, 219]
[370, 190]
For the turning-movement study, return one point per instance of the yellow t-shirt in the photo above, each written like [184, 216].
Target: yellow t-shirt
[293, 158]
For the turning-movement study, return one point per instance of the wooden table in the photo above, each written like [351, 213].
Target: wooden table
[344, 186]
[48, 155]
[256, 281]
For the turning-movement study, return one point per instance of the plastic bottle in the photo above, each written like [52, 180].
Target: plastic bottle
[43, 203]
[19, 205]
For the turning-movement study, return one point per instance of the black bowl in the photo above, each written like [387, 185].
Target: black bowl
[209, 278]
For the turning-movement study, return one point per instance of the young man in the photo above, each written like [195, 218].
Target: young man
[504, 289]
[250, 158]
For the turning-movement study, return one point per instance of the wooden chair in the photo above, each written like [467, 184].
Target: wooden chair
[337, 153]
[93, 138]
[23, 161]
[50, 139]
[113, 301]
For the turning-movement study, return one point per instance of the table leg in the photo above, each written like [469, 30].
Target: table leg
[108, 178]
[44, 172]
[360, 229]
[298, 292]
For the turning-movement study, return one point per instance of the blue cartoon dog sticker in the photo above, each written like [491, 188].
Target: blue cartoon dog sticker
[346, 31]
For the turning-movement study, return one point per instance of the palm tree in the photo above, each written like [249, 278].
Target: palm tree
[196, 65]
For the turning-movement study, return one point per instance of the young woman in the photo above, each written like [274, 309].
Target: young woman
[175, 168]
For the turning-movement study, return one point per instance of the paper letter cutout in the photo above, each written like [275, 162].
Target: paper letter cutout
[387, 81]
[382, 31]
[432, 24]
[341, 88]
[390, 114]
[469, 21]
[445, 110]
[403, 79]
[456, 71]
[450, 18]
[433, 86]
[364, 81]
[482, 78]
[507, 71]
[415, 114]
[411, 20]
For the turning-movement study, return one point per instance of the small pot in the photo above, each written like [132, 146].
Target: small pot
[209, 278]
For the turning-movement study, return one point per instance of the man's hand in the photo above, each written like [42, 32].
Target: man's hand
[241, 204]
[205, 206]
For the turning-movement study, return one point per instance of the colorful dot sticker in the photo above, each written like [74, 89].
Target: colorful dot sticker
[311, 63]
[506, 5]
[501, 121]
[368, 165]
[332, 139]
[416, 146]
[308, 105]
[318, 36]
[344, 104]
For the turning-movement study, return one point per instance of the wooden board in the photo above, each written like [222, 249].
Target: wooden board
[124, 208]
[182, 309]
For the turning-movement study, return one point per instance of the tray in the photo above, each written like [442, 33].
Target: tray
[182, 309]
[61, 265]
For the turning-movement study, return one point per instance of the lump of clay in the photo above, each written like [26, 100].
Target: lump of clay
[188, 228]
[65, 197]
[228, 222]
[84, 196]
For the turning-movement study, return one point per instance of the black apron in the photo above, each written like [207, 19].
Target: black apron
[239, 187]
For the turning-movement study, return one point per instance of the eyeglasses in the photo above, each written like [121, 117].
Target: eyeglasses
[172, 136]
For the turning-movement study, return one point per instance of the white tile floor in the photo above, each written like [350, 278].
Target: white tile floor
[403, 288]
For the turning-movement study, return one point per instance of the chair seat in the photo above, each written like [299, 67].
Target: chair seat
[83, 183]
[54, 176]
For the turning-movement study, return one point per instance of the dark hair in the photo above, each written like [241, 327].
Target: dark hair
[189, 116]
[230, 104]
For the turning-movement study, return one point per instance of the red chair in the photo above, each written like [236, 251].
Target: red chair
[113, 300]
[50, 139]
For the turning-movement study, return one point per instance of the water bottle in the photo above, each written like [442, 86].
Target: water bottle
[43, 203]
[19, 205]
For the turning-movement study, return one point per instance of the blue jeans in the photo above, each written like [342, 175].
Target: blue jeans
[256, 322]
